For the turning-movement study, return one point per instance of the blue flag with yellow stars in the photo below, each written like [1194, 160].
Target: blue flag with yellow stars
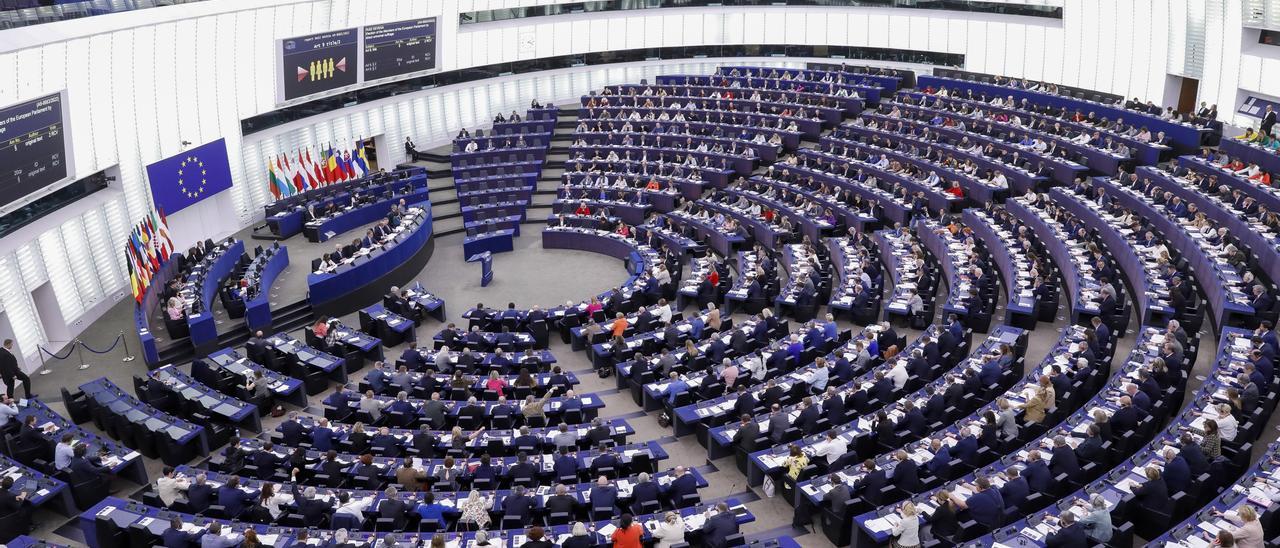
[190, 176]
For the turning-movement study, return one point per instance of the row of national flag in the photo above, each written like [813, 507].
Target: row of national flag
[300, 171]
[148, 247]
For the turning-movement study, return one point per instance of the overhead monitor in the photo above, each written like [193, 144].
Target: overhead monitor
[401, 47]
[318, 63]
[34, 149]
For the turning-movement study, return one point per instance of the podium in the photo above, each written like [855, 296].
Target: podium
[486, 266]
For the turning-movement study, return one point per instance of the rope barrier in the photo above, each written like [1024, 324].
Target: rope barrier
[78, 346]
[114, 344]
[57, 357]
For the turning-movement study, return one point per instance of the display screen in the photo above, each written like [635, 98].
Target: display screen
[33, 147]
[392, 49]
[319, 62]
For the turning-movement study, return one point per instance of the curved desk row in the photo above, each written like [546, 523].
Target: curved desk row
[1185, 137]
[146, 308]
[1149, 293]
[257, 311]
[1067, 256]
[364, 214]
[204, 330]
[1021, 304]
[366, 279]
[1216, 277]
[286, 216]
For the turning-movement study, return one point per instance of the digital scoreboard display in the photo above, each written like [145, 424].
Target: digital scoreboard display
[33, 147]
[318, 63]
[402, 47]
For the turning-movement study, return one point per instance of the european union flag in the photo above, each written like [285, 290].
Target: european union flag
[184, 179]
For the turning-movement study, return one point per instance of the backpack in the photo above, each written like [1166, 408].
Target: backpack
[664, 420]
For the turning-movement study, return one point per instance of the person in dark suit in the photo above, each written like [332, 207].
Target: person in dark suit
[31, 436]
[1177, 473]
[943, 522]
[807, 420]
[644, 491]
[1069, 535]
[393, 508]
[267, 461]
[906, 473]
[330, 466]
[719, 527]
[1268, 120]
[872, 481]
[1190, 452]
[291, 431]
[1015, 489]
[522, 472]
[748, 431]
[683, 484]
[561, 502]
[200, 494]
[1063, 460]
[175, 537]
[518, 504]
[1124, 419]
[1153, 494]
[940, 464]
[565, 465]
[604, 495]
[1039, 478]
[1090, 449]
[10, 371]
[313, 510]
[82, 470]
[836, 497]
[231, 498]
[913, 420]
[985, 505]
[778, 424]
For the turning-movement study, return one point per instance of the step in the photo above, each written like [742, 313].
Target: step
[445, 208]
[443, 227]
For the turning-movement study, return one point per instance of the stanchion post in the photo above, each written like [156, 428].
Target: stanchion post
[44, 368]
[128, 356]
[80, 354]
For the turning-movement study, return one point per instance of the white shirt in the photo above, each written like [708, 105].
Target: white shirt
[669, 534]
[831, 449]
[355, 507]
[898, 374]
[62, 455]
[7, 413]
[273, 503]
[1227, 427]
[170, 488]
[664, 313]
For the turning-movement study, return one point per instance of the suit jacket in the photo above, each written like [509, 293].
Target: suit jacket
[177, 538]
[778, 425]
[746, 436]
[1014, 492]
[1038, 476]
[8, 364]
[1154, 495]
[561, 504]
[644, 492]
[199, 497]
[521, 506]
[1064, 461]
[681, 486]
[1068, 537]
[1177, 475]
[718, 528]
